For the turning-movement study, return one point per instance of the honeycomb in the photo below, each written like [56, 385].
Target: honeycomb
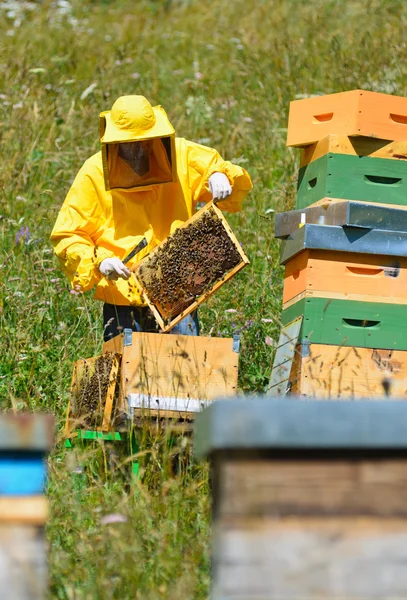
[188, 264]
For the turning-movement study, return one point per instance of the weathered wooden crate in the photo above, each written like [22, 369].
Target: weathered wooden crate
[346, 276]
[332, 372]
[309, 499]
[25, 440]
[350, 322]
[354, 178]
[160, 375]
[346, 213]
[356, 146]
[189, 266]
[351, 113]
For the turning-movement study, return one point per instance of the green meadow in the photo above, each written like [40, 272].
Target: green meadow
[225, 72]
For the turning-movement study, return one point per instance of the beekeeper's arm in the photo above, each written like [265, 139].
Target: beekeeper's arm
[203, 165]
[75, 234]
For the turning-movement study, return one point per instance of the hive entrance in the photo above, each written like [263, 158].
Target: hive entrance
[189, 263]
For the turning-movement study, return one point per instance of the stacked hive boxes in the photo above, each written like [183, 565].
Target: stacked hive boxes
[345, 249]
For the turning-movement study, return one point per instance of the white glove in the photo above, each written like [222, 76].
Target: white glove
[113, 268]
[219, 186]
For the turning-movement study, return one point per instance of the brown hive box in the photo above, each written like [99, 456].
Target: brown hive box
[189, 266]
[152, 375]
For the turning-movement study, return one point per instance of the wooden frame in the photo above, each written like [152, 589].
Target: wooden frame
[106, 424]
[203, 297]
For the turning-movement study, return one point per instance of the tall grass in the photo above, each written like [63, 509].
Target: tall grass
[225, 72]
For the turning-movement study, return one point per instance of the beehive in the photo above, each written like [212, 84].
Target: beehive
[332, 372]
[25, 441]
[350, 322]
[185, 269]
[346, 276]
[309, 498]
[151, 374]
[351, 113]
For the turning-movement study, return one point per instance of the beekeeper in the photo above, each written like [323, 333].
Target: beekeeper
[143, 184]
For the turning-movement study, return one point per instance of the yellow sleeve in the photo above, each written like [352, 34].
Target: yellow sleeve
[75, 231]
[202, 163]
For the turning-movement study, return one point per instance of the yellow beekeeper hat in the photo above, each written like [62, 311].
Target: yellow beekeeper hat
[133, 118]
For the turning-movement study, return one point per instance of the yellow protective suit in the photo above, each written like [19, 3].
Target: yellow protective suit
[100, 220]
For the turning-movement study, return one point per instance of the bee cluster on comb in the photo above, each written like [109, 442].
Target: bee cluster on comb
[89, 389]
[188, 264]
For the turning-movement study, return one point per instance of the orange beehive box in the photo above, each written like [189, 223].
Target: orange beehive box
[345, 275]
[353, 113]
[345, 372]
[357, 146]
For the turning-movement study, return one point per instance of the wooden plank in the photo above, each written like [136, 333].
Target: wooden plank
[351, 113]
[23, 564]
[327, 201]
[179, 366]
[342, 296]
[350, 323]
[340, 372]
[319, 486]
[357, 146]
[107, 423]
[352, 177]
[26, 510]
[114, 345]
[310, 559]
[346, 275]
[165, 309]
[344, 213]
[343, 239]
[263, 424]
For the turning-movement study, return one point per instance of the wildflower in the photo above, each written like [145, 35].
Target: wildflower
[269, 341]
[113, 518]
[23, 235]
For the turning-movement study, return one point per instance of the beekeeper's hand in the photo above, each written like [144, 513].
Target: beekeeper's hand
[219, 186]
[113, 268]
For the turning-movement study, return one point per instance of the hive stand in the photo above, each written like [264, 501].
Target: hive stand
[25, 440]
[162, 379]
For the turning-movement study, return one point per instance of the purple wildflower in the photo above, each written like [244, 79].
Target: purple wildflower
[23, 235]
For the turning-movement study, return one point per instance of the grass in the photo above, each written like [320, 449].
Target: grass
[225, 72]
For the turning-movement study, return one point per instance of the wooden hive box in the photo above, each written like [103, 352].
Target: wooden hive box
[343, 239]
[332, 372]
[353, 178]
[189, 266]
[350, 322]
[352, 113]
[25, 441]
[344, 213]
[160, 375]
[346, 276]
[355, 146]
[309, 498]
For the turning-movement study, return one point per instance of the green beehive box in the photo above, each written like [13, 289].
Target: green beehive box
[353, 178]
[350, 323]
